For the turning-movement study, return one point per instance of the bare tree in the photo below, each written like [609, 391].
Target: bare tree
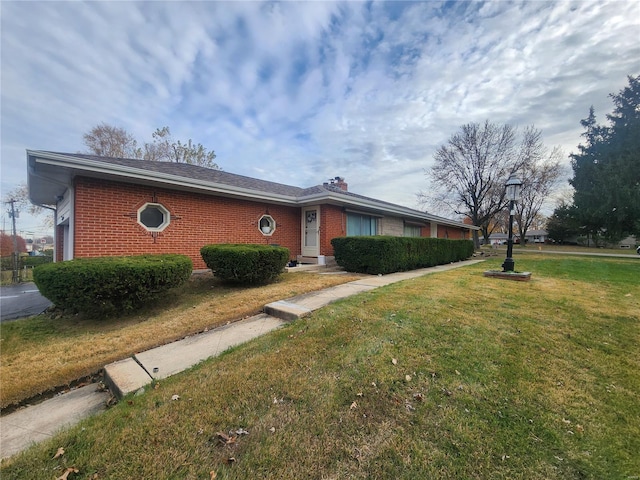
[165, 148]
[470, 170]
[109, 141]
[20, 195]
[539, 178]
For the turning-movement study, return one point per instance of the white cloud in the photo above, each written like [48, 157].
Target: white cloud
[299, 92]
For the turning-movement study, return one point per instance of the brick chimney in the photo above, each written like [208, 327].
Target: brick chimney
[337, 182]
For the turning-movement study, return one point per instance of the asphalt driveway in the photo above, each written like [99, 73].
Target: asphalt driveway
[21, 300]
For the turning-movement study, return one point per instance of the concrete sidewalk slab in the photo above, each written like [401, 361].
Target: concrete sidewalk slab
[285, 310]
[125, 376]
[167, 360]
[40, 422]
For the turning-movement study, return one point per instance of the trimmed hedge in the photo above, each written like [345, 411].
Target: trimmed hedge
[108, 285]
[245, 263]
[384, 254]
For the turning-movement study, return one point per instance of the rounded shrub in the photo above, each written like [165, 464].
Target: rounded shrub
[108, 285]
[245, 263]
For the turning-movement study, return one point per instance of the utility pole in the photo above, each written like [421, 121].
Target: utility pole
[14, 277]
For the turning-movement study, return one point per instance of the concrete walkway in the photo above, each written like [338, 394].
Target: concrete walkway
[33, 424]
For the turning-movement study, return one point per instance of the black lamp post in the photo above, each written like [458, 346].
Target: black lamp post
[514, 185]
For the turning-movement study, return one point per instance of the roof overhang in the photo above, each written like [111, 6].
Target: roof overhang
[50, 174]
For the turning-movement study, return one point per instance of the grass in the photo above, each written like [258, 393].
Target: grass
[448, 376]
[44, 352]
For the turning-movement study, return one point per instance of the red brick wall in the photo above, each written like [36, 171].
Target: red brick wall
[106, 221]
[332, 224]
[451, 233]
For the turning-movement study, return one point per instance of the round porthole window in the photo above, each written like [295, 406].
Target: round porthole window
[154, 217]
[267, 225]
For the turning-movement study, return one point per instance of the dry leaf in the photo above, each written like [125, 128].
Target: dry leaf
[580, 428]
[59, 453]
[226, 439]
[407, 378]
[394, 361]
[353, 406]
[213, 474]
[418, 396]
[67, 472]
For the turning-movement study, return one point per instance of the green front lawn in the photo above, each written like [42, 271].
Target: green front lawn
[449, 376]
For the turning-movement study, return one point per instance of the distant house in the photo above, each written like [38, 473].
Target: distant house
[115, 206]
[532, 236]
[536, 236]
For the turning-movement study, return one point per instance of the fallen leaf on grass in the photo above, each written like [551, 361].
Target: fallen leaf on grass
[418, 396]
[213, 475]
[394, 361]
[67, 472]
[225, 439]
[353, 406]
[59, 453]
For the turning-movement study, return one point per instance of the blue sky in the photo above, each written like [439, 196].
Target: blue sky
[299, 92]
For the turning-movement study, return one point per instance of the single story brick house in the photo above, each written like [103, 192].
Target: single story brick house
[116, 206]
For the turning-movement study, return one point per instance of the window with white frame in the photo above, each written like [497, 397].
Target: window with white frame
[154, 217]
[267, 225]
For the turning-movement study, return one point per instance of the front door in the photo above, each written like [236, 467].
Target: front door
[311, 231]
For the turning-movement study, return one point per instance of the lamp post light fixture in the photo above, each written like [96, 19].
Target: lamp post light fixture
[513, 188]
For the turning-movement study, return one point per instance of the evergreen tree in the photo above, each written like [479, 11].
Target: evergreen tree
[607, 169]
